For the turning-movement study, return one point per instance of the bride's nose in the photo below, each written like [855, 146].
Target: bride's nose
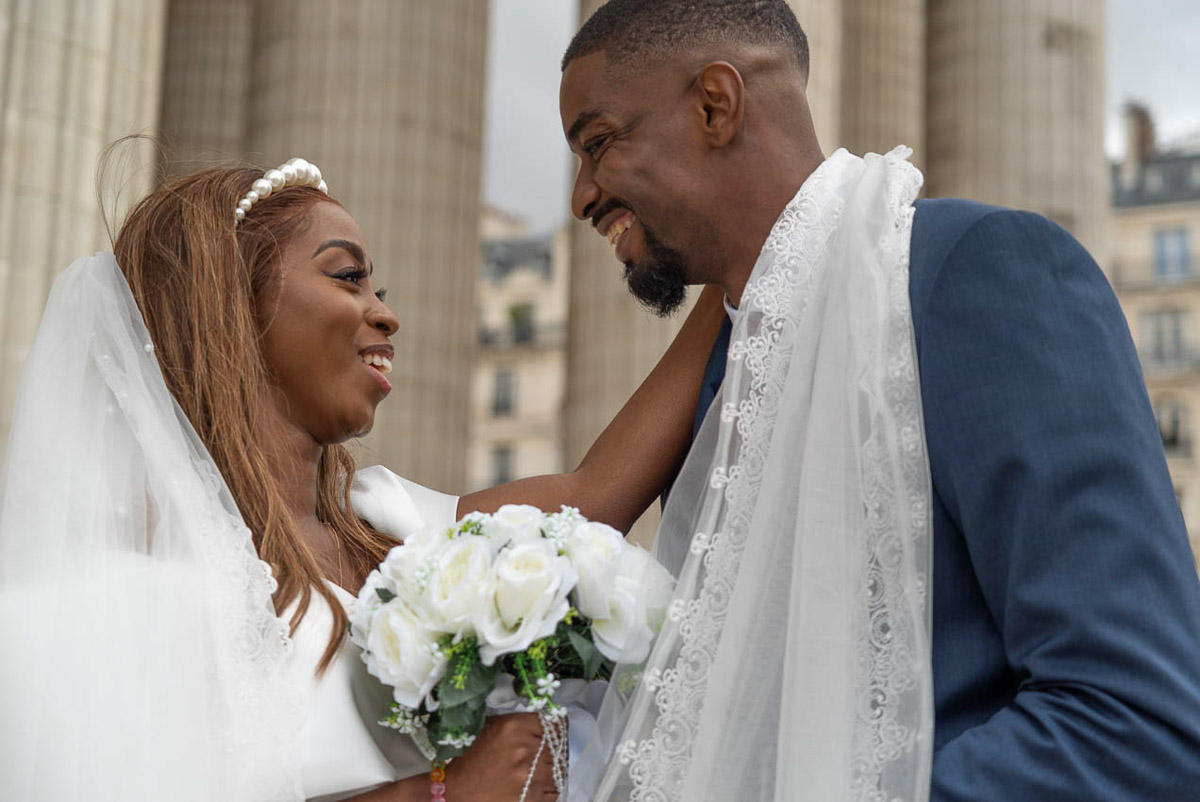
[381, 317]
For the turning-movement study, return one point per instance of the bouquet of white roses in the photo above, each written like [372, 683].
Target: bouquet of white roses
[538, 597]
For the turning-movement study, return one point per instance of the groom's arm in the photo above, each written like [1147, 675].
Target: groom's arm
[641, 450]
[1044, 450]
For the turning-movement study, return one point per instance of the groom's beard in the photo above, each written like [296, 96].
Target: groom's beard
[660, 280]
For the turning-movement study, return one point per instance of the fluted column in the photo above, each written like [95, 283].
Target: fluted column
[1015, 108]
[206, 83]
[74, 76]
[612, 341]
[822, 21]
[883, 76]
[387, 97]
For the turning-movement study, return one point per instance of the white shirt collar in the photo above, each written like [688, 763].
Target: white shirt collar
[730, 309]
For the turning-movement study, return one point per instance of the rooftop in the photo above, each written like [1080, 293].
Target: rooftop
[1167, 177]
[502, 256]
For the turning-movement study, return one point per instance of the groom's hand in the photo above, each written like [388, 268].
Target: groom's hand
[497, 765]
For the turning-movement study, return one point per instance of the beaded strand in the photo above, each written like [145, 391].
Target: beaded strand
[437, 782]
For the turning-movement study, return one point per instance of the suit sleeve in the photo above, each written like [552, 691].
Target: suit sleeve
[1045, 453]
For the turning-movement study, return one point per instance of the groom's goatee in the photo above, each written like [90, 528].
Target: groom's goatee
[659, 282]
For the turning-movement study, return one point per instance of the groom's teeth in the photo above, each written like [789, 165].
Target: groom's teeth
[379, 361]
[617, 229]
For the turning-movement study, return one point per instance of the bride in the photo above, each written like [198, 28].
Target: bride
[182, 530]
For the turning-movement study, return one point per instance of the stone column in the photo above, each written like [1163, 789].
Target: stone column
[883, 76]
[822, 21]
[387, 97]
[612, 341]
[206, 83]
[1015, 108]
[75, 75]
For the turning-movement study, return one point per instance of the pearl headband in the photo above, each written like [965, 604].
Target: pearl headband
[293, 173]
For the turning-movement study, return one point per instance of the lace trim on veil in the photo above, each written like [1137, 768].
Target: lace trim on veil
[267, 712]
[151, 655]
[785, 302]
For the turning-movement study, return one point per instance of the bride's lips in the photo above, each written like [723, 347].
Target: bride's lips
[377, 360]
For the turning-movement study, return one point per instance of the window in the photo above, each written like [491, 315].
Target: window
[1165, 334]
[502, 464]
[1171, 257]
[521, 317]
[1172, 419]
[1154, 180]
[504, 398]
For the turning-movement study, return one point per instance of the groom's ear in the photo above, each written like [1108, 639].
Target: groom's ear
[721, 94]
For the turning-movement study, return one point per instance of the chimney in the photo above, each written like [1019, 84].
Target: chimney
[1139, 143]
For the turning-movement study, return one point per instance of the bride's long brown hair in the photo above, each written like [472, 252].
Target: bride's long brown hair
[198, 281]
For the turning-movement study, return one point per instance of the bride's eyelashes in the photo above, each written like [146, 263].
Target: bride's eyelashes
[353, 275]
[356, 275]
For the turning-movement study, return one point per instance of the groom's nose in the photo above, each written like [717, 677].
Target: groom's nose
[585, 194]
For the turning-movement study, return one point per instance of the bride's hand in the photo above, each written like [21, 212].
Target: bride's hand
[496, 766]
[493, 769]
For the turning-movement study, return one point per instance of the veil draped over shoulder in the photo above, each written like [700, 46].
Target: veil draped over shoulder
[794, 664]
[141, 653]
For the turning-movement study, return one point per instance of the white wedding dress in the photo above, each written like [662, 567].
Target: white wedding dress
[143, 656]
[340, 750]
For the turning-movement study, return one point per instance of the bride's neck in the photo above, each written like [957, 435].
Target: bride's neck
[294, 457]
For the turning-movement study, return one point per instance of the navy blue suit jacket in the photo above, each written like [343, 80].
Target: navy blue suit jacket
[1066, 605]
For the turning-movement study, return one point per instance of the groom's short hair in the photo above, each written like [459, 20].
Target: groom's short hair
[631, 31]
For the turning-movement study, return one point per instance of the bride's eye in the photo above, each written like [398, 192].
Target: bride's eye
[381, 294]
[354, 275]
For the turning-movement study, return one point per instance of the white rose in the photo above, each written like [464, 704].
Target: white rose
[526, 598]
[403, 653]
[595, 551]
[637, 603]
[455, 592]
[514, 523]
[653, 580]
[407, 566]
[366, 604]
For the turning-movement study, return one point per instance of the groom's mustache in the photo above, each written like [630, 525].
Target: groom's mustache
[605, 210]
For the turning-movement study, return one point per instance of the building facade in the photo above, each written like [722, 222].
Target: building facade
[519, 374]
[1155, 269]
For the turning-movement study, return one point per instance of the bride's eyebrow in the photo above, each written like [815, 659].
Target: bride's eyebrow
[352, 248]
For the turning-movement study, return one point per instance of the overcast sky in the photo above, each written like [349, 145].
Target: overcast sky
[1153, 49]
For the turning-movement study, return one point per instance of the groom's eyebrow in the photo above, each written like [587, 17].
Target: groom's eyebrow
[580, 123]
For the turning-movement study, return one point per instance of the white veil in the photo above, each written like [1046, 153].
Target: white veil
[795, 660]
[141, 652]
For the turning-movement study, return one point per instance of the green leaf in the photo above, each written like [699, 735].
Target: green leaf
[385, 595]
[468, 716]
[589, 655]
[465, 718]
[443, 753]
[466, 679]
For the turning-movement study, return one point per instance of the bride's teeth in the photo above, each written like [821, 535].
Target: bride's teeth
[379, 361]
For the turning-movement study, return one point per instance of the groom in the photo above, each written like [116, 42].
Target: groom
[1066, 606]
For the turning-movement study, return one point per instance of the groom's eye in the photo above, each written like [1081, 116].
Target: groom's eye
[592, 147]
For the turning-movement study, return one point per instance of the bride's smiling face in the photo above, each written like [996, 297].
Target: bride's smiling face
[326, 329]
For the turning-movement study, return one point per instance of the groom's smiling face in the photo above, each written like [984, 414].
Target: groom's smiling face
[639, 179]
